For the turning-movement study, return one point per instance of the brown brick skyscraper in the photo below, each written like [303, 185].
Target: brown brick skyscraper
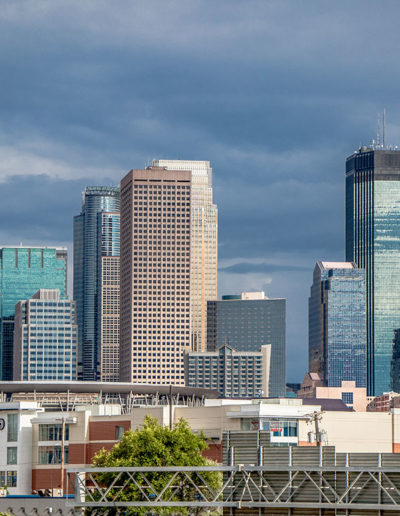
[155, 275]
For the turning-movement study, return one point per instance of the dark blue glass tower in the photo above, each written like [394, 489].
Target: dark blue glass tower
[373, 243]
[87, 257]
[337, 324]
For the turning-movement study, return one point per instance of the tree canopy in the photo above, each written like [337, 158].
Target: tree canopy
[155, 445]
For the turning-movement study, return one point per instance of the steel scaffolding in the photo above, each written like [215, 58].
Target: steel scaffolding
[346, 488]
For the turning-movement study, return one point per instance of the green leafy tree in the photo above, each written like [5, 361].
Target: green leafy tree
[155, 445]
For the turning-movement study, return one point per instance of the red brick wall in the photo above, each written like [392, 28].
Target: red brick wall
[93, 448]
[213, 452]
[76, 453]
[105, 430]
[50, 479]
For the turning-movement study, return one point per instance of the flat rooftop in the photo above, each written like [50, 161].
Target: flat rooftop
[338, 265]
[104, 388]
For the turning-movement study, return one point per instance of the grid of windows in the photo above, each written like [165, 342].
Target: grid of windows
[45, 339]
[348, 398]
[155, 260]
[203, 267]
[337, 324]
[8, 478]
[53, 432]
[246, 325]
[234, 374]
[24, 270]
[96, 234]
[51, 455]
[109, 309]
[372, 242]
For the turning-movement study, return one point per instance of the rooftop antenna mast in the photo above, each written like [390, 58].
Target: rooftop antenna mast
[378, 132]
[383, 127]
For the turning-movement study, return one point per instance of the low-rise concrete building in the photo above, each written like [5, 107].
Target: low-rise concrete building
[32, 462]
[234, 374]
[354, 397]
[384, 402]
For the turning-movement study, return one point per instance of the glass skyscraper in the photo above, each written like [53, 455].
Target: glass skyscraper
[373, 243]
[87, 266]
[246, 322]
[23, 271]
[337, 324]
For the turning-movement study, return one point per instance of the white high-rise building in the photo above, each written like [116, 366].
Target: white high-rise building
[45, 338]
[204, 245]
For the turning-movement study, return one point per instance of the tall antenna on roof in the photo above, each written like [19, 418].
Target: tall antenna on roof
[383, 127]
[378, 131]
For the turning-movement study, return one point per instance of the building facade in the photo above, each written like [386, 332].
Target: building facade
[31, 438]
[45, 338]
[88, 232]
[354, 397]
[337, 324]
[109, 292]
[155, 275]
[204, 245]
[384, 403]
[23, 271]
[16, 446]
[246, 322]
[372, 242]
[234, 374]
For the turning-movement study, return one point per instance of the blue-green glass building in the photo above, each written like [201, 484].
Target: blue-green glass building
[246, 322]
[373, 243]
[337, 324]
[88, 230]
[23, 271]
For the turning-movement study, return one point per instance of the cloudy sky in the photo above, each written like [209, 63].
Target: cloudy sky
[274, 93]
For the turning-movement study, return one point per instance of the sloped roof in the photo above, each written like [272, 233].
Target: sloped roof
[327, 404]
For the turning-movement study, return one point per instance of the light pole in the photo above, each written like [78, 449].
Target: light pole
[170, 407]
[62, 454]
[63, 421]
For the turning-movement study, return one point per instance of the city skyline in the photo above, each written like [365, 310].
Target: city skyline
[268, 92]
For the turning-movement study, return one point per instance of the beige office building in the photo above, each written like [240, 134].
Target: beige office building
[155, 275]
[108, 295]
[109, 325]
[204, 248]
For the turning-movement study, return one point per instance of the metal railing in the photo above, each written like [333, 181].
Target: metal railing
[241, 486]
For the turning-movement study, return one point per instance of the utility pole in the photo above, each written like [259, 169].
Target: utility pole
[170, 407]
[62, 453]
[316, 417]
[317, 434]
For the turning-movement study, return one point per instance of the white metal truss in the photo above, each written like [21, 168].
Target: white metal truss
[278, 486]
